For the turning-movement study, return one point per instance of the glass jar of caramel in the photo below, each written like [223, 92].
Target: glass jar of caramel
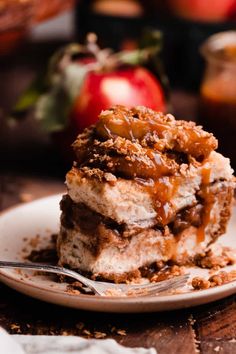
[218, 91]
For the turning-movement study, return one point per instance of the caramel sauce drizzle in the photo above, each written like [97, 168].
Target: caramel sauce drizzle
[183, 137]
[155, 164]
[128, 128]
[162, 191]
[206, 174]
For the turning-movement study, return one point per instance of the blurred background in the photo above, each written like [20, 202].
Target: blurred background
[190, 71]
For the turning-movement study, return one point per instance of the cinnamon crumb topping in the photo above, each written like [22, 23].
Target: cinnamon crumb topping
[93, 173]
[136, 123]
[140, 142]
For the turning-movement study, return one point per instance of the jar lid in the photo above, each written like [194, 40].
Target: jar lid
[220, 47]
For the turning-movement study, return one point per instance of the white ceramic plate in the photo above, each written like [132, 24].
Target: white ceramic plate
[18, 226]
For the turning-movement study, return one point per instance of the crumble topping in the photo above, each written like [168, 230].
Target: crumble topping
[141, 143]
[137, 122]
[93, 173]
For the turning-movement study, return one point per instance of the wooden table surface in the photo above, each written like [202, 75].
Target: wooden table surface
[29, 170]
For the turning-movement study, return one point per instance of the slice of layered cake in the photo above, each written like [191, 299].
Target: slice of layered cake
[145, 189]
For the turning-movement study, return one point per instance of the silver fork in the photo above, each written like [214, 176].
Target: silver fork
[104, 288]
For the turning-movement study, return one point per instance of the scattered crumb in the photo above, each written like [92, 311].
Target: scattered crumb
[87, 332]
[191, 320]
[199, 283]
[44, 255]
[233, 340]
[177, 291]
[217, 349]
[99, 335]
[114, 292]
[19, 271]
[142, 291]
[167, 273]
[15, 327]
[216, 258]
[159, 272]
[65, 333]
[34, 241]
[72, 291]
[121, 332]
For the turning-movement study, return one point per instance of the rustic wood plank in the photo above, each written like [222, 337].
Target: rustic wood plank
[168, 333]
[218, 320]
[215, 347]
[216, 326]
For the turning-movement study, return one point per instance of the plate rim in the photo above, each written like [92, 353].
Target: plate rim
[179, 296]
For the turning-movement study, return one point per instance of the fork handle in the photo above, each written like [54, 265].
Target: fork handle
[49, 269]
[33, 266]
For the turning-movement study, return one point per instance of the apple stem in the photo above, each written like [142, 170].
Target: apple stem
[92, 44]
[103, 57]
[107, 60]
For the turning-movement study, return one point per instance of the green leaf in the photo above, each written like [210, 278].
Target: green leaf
[73, 79]
[53, 108]
[28, 98]
[151, 39]
[150, 46]
[134, 57]
[45, 82]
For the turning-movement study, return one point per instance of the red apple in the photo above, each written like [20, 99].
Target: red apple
[204, 10]
[130, 87]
